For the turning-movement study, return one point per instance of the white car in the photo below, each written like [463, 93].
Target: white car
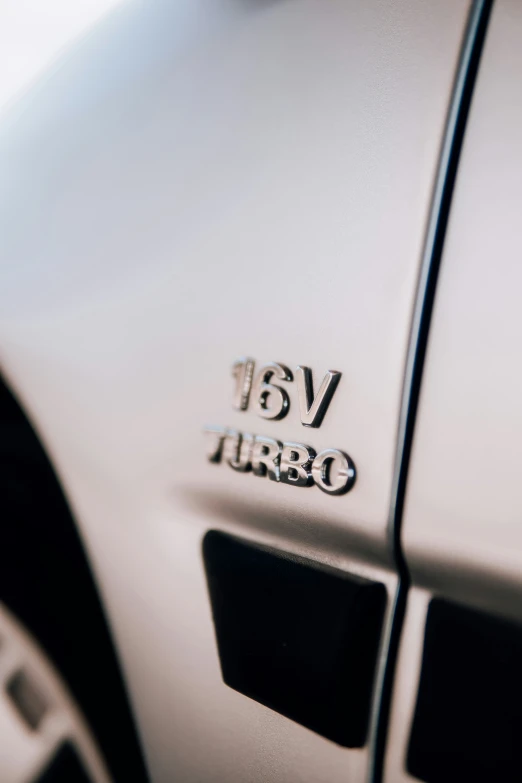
[261, 428]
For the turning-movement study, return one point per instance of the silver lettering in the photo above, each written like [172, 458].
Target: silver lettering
[270, 401]
[313, 409]
[215, 437]
[237, 451]
[333, 472]
[266, 453]
[242, 370]
[296, 464]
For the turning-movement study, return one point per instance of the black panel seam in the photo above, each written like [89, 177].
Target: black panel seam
[453, 138]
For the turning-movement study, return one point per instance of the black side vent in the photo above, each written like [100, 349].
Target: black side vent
[296, 637]
[468, 718]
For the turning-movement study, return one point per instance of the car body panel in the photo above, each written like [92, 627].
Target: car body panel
[202, 182]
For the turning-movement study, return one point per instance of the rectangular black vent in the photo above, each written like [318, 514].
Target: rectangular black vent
[296, 637]
[468, 718]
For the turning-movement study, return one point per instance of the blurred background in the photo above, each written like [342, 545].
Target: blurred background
[33, 34]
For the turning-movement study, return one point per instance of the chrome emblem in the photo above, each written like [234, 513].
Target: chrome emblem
[271, 401]
[331, 470]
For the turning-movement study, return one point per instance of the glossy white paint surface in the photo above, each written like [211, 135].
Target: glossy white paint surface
[463, 516]
[204, 181]
[33, 34]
